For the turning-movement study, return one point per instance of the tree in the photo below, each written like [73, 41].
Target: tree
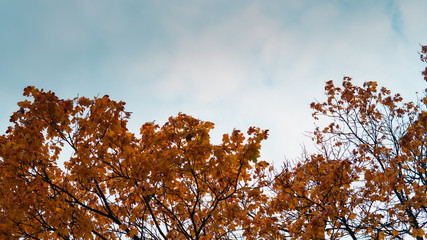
[369, 177]
[169, 183]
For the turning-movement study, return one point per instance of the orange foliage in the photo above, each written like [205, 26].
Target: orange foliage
[171, 183]
[369, 177]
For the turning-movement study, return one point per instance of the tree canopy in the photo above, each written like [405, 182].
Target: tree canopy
[171, 183]
[367, 179]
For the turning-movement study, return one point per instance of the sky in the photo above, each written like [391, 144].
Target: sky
[234, 63]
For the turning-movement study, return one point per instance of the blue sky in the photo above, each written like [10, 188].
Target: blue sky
[235, 63]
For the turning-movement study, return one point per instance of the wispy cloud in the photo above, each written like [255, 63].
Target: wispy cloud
[236, 64]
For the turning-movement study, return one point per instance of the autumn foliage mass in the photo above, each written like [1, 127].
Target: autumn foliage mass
[367, 179]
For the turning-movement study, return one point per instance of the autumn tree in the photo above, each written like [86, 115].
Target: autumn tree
[169, 183]
[368, 179]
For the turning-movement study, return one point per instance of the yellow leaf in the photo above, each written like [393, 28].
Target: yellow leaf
[418, 232]
[133, 232]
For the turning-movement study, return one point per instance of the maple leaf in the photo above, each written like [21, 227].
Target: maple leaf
[368, 178]
[171, 183]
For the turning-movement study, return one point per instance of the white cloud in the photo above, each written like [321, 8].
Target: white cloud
[251, 68]
[240, 64]
[413, 17]
[218, 61]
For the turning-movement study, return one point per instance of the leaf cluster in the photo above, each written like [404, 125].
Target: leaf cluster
[367, 179]
[171, 183]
